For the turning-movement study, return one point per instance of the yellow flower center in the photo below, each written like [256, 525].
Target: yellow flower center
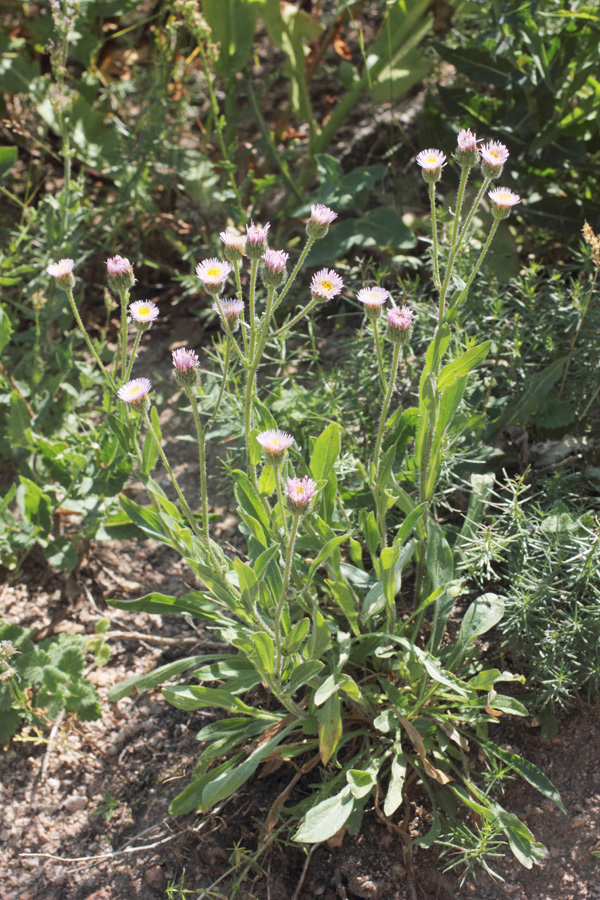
[135, 391]
[300, 492]
[214, 272]
[432, 159]
[143, 310]
[327, 285]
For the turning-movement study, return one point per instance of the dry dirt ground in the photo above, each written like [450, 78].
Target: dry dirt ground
[84, 816]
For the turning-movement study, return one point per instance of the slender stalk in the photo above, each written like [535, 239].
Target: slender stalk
[384, 409]
[277, 471]
[134, 350]
[310, 241]
[256, 353]
[202, 463]
[123, 296]
[240, 296]
[224, 381]
[86, 337]
[464, 177]
[436, 252]
[477, 265]
[314, 302]
[379, 352]
[252, 302]
[286, 580]
[228, 331]
[186, 510]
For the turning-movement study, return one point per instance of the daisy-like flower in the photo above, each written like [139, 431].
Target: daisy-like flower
[135, 393]
[275, 444]
[273, 272]
[400, 323]
[213, 274]
[372, 299]
[299, 494]
[143, 313]
[256, 240]
[466, 151]
[62, 272]
[186, 364]
[326, 284]
[235, 245]
[432, 162]
[120, 274]
[493, 156]
[321, 218]
[503, 201]
[232, 310]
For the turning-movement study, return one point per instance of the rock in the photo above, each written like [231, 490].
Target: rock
[155, 878]
[75, 803]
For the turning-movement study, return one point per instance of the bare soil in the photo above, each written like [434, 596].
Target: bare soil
[85, 813]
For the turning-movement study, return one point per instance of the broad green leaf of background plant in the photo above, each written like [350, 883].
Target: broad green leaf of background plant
[232, 23]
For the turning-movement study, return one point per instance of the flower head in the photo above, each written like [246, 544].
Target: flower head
[321, 218]
[62, 272]
[493, 156]
[275, 444]
[273, 272]
[235, 245]
[136, 393]
[231, 309]
[503, 201]
[143, 313]
[299, 494]
[326, 284]
[466, 152]
[372, 299]
[432, 162]
[256, 240]
[186, 366]
[213, 274]
[120, 274]
[400, 322]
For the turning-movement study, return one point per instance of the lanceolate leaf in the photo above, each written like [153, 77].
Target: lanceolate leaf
[529, 772]
[326, 818]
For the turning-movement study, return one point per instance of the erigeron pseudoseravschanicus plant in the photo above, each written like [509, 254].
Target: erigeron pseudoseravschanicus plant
[340, 604]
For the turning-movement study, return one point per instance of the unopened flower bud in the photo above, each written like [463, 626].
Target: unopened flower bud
[467, 154]
[232, 310]
[62, 272]
[400, 322]
[256, 240]
[186, 366]
[120, 274]
[321, 218]
[273, 270]
[299, 494]
[432, 162]
[234, 245]
[136, 394]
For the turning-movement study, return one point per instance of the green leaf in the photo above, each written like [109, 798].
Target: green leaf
[326, 818]
[326, 552]
[5, 327]
[461, 367]
[295, 638]
[361, 782]
[303, 673]
[19, 421]
[409, 523]
[394, 795]
[191, 697]
[529, 772]
[320, 638]
[140, 683]
[330, 727]
[8, 157]
[160, 604]
[485, 612]
[369, 529]
[265, 651]
[325, 452]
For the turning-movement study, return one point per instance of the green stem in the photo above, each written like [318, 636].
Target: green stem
[436, 252]
[314, 302]
[477, 265]
[464, 177]
[384, 409]
[123, 296]
[202, 464]
[91, 347]
[286, 580]
[134, 350]
[379, 352]
[224, 380]
[292, 277]
[277, 470]
[240, 296]
[186, 510]
[227, 329]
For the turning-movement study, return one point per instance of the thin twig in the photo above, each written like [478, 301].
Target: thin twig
[296, 893]
[55, 727]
